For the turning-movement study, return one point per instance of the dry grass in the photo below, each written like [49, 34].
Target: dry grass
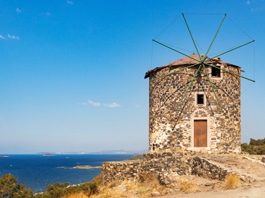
[97, 179]
[144, 176]
[126, 188]
[76, 195]
[232, 181]
[185, 186]
[150, 184]
[113, 184]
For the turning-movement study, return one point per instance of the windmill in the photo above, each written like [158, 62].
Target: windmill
[218, 131]
[202, 61]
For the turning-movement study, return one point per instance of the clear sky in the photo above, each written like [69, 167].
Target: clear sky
[72, 72]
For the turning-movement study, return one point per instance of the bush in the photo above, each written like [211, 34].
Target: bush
[257, 142]
[89, 188]
[59, 190]
[231, 181]
[54, 190]
[97, 179]
[255, 147]
[10, 188]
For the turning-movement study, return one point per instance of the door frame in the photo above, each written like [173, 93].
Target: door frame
[207, 119]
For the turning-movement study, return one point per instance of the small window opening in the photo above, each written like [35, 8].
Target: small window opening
[216, 72]
[200, 99]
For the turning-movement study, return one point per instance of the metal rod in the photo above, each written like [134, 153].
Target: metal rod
[214, 37]
[191, 35]
[175, 71]
[233, 49]
[174, 50]
[212, 87]
[230, 72]
[188, 87]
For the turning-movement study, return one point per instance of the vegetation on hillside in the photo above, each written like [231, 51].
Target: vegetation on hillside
[255, 147]
[64, 190]
[11, 189]
[137, 157]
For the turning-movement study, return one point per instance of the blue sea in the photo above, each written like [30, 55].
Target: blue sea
[36, 171]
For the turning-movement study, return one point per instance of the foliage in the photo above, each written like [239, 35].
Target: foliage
[257, 142]
[61, 190]
[10, 188]
[255, 147]
[231, 181]
[97, 179]
[137, 157]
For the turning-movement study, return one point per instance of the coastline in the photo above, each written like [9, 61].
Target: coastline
[86, 167]
[23, 165]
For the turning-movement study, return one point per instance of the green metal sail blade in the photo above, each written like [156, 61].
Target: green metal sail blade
[214, 37]
[234, 48]
[175, 50]
[191, 36]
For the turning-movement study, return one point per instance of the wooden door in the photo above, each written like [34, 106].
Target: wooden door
[200, 133]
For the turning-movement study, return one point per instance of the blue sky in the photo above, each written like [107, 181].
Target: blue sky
[72, 72]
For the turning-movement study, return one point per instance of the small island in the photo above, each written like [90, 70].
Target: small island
[86, 167]
[48, 154]
[4, 156]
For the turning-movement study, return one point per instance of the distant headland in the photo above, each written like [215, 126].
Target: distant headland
[86, 167]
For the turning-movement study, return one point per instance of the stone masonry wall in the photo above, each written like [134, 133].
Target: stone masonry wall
[132, 170]
[172, 131]
[161, 165]
[206, 169]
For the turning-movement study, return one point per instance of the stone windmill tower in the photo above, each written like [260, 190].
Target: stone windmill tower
[195, 104]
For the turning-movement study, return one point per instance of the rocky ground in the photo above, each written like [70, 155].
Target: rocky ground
[249, 168]
[248, 180]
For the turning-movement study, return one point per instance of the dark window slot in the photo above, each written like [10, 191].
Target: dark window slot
[200, 99]
[216, 72]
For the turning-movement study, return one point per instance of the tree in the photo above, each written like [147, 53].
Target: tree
[10, 188]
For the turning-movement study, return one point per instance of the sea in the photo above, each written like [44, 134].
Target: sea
[36, 171]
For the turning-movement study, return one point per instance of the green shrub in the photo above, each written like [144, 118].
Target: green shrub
[9, 188]
[258, 142]
[255, 147]
[97, 179]
[59, 190]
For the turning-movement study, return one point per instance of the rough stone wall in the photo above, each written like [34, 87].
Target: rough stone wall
[207, 169]
[171, 130]
[123, 170]
[161, 165]
[152, 164]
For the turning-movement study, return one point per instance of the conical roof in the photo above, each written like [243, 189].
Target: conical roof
[186, 61]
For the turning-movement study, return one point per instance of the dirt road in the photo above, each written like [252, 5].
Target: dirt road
[257, 191]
